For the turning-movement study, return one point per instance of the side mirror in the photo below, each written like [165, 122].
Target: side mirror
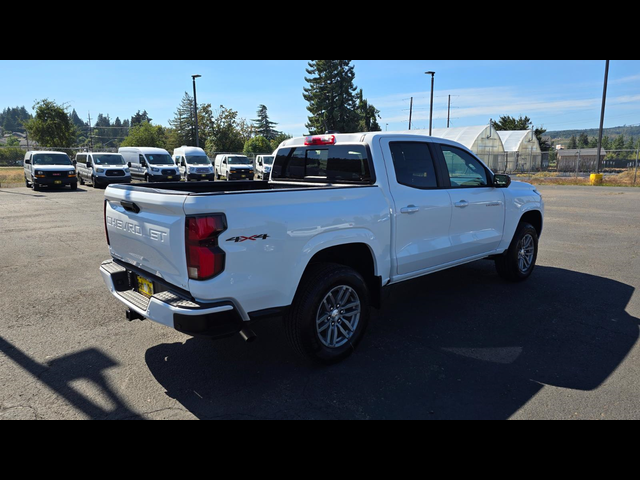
[501, 181]
[129, 164]
[28, 161]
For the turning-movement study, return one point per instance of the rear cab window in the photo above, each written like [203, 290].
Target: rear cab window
[324, 164]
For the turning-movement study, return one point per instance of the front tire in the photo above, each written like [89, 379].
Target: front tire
[518, 262]
[329, 314]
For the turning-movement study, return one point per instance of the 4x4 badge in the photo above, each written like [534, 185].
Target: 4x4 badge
[263, 236]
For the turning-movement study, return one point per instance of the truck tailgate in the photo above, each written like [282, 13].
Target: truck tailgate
[147, 230]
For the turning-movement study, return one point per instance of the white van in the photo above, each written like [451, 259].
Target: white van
[51, 169]
[193, 163]
[150, 164]
[102, 168]
[233, 166]
[263, 165]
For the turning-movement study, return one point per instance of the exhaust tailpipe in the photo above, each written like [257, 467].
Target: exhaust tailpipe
[248, 335]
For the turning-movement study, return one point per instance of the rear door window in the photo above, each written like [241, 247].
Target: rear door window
[413, 164]
[324, 164]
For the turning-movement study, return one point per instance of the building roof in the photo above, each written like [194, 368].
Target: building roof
[583, 151]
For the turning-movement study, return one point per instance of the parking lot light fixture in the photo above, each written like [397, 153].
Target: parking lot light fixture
[431, 104]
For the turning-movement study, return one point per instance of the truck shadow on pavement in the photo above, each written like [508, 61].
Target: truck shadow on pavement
[459, 344]
[61, 375]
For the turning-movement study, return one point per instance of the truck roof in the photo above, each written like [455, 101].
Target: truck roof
[362, 137]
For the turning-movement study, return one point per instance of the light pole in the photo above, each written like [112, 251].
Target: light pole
[431, 106]
[195, 106]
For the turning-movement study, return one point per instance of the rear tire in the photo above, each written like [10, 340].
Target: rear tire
[329, 314]
[518, 262]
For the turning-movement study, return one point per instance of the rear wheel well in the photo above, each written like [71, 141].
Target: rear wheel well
[357, 256]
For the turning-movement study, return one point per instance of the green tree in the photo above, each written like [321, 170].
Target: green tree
[139, 118]
[263, 126]
[275, 143]
[184, 122]
[12, 119]
[145, 135]
[257, 144]
[51, 126]
[583, 140]
[507, 122]
[225, 133]
[331, 96]
[573, 143]
[368, 115]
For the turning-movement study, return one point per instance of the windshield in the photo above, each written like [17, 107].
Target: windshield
[268, 160]
[51, 159]
[198, 160]
[159, 159]
[108, 159]
[239, 161]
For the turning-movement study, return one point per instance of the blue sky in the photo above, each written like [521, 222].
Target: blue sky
[555, 94]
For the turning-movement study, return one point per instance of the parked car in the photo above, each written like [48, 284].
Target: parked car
[102, 168]
[49, 169]
[194, 164]
[342, 218]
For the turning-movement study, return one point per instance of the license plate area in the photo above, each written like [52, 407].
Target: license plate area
[57, 182]
[145, 287]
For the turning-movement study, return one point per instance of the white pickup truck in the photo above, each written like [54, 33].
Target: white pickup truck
[341, 218]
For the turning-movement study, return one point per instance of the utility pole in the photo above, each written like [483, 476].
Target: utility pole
[448, 111]
[410, 112]
[90, 132]
[604, 99]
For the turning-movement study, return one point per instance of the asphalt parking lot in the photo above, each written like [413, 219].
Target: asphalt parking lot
[459, 344]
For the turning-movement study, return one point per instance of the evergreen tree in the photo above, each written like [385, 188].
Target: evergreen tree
[583, 140]
[12, 119]
[263, 126]
[331, 98]
[368, 114]
[184, 121]
[138, 118]
[507, 122]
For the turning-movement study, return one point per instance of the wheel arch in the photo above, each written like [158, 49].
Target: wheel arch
[358, 256]
[534, 218]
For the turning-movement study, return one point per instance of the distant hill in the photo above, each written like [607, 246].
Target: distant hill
[627, 131]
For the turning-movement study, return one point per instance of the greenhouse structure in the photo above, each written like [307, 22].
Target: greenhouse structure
[522, 149]
[483, 140]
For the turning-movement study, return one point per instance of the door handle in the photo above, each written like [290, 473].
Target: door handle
[410, 209]
[462, 204]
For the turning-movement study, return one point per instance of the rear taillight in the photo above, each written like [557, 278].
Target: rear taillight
[205, 259]
[106, 232]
